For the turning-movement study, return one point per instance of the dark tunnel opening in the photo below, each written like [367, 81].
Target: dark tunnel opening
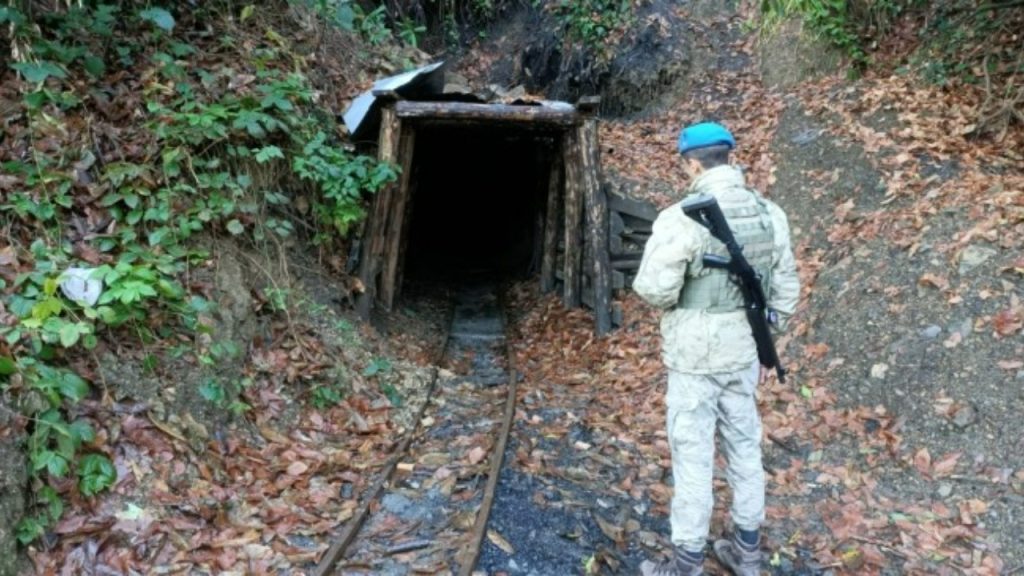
[479, 195]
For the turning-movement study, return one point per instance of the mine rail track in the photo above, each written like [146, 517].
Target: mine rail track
[452, 522]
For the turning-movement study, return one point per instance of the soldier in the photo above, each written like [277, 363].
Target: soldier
[710, 353]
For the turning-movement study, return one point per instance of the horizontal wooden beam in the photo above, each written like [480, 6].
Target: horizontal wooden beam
[548, 116]
[633, 207]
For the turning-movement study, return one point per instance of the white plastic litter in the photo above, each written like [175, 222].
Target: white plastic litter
[77, 285]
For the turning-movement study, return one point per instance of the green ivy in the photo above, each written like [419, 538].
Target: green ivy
[593, 22]
[845, 24]
[207, 150]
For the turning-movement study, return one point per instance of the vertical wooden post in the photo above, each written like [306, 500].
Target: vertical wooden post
[573, 215]
[396, 220]
[597, 215]
[377, 226]
[553, 211]
[403, 247]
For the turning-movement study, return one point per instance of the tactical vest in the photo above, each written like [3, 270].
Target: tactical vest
[711, 289]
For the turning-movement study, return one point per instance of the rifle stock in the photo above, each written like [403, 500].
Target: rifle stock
[704, 210]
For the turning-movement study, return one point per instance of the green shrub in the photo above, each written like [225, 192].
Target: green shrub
[594, 23]
[208, 146]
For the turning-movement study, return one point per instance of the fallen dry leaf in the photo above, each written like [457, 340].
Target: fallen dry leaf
[953, 341]
[1010, 364]
[933, 280]
[946, 465]
[614, 532]
[476, 455]
[1008, 322]
[923, 461]
[297, 468]
[499, 541]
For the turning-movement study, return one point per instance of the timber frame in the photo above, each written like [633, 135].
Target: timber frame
[575, 233]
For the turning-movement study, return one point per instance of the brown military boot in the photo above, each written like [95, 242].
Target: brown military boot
[680, 564]
[740, 558]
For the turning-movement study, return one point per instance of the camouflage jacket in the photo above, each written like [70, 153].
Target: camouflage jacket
[698, 341]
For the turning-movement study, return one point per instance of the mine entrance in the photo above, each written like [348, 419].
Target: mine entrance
[478, 202]
[506, 189]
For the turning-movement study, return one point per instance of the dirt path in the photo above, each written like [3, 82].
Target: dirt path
[894, 449]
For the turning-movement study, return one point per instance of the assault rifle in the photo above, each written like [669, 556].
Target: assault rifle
[705, 211]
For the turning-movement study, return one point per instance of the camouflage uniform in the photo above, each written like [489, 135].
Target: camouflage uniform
[709, 350]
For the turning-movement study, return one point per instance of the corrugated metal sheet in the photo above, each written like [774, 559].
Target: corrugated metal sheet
[363, 115]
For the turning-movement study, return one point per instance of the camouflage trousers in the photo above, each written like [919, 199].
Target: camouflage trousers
[697, 405]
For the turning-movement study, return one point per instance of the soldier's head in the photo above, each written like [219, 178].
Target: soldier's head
[705, 146]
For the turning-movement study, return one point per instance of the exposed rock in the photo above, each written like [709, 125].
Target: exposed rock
[235, 310]
[792, 54]
[126, 379]
[964, 327]
[931, 332]
[395, 503]
[878, 371]
[965, 416]
[806, 136]
[945, 489]
[648, 68]
[974, 256]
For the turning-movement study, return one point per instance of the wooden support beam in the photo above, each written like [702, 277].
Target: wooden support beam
[618, 280]
[634, 224]
[406, 227]
[573, 159]
[632, 207]
[597, 223]
[377, 225]
[396, 219]
[552, 212]
[626, 264]
[561, 117]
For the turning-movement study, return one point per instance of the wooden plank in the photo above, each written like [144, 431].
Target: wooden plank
[626, 264]
[615, 229]
[627, 255]
[560, 277]
[396, 220]
[636, 237]
[406, 227]
[377, 225]
[573, 216]
[615, 244]
[618, 280]
[587, 297]
[633, 207]
[634, 224]
[616, 225]
[491, 114]
[597, 224]
[551, 228]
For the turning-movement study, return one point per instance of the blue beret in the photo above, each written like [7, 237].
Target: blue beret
[703, 135]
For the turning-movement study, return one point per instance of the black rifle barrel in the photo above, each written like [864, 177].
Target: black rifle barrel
[705, 211]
